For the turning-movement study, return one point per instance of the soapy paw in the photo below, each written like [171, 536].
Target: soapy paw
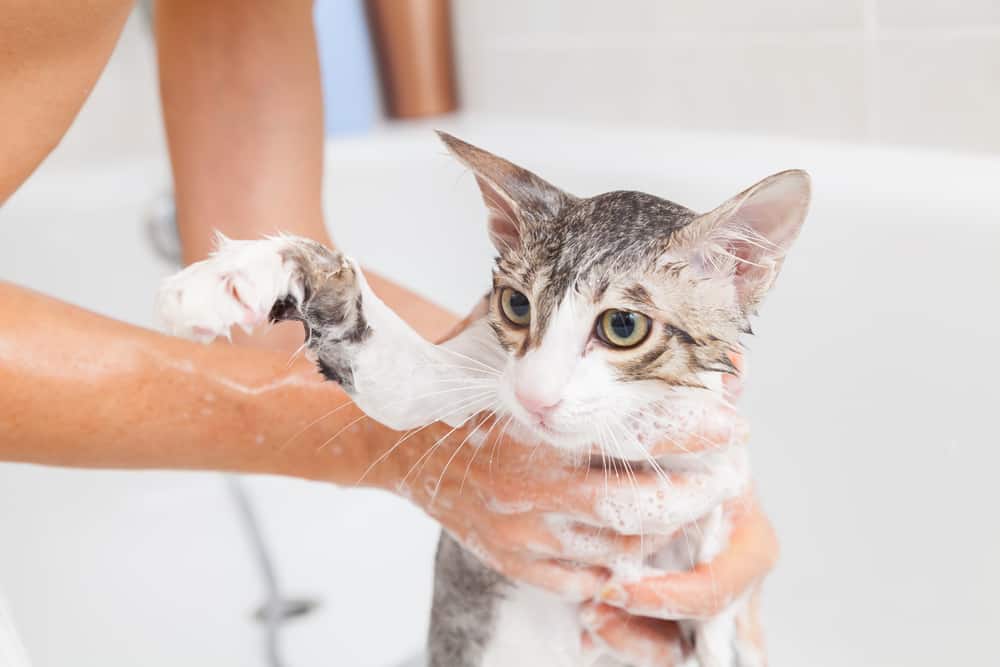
[236, 286]
[248, 283]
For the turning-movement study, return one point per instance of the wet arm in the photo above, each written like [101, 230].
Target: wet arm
[78, 389]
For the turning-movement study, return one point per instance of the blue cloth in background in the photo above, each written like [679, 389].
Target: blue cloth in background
[350, 89]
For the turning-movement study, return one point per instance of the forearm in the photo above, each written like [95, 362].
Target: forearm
[52, 53]
[244, 115]
[243, 111]
[78, 389]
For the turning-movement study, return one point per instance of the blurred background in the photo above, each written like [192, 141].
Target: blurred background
[898, 72]
[873, 378]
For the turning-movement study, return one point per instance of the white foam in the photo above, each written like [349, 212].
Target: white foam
[515, 507]
[201, 302]
[667, 507]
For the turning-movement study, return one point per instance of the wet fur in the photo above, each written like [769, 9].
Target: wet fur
[699, 276]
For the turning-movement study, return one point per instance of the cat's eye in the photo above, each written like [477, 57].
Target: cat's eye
[515, 307]
[622, 328]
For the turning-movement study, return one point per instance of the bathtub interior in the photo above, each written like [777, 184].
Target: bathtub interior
[871, 386]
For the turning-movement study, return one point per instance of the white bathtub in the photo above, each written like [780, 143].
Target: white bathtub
[872, 393]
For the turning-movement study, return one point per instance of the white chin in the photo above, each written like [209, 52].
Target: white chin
[577, 442]
[565, 440]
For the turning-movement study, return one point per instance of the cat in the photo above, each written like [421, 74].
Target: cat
[612, 318]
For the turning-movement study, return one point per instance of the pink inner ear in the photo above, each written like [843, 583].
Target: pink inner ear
[502, 221]
[776, 208]
[503, 232]
[748, 236]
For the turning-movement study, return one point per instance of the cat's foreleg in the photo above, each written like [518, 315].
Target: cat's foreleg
[391, 372]
[715, 639]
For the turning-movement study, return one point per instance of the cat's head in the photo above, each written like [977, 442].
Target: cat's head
[612, 306]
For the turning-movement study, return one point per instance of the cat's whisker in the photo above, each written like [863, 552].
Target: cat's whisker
[635, 490]
[406, 436]
[444, 470]
[609, 466]
[437, 485]
[338, 433]
[479, 448]
[344, 405]
[388, 404]
[499, 442]
[308, 426]
[463, 382]
[496, 443]
[675, 441]
[658, 469]
[472, 369]
[475, 361]
[587, 467]
[305, 344]
[692, 561]
[604, 468]
[426, 456]
[534, 450]
[606, 426]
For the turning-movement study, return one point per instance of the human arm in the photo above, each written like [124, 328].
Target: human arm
[78, 389]
[243, 110]
[51, 55]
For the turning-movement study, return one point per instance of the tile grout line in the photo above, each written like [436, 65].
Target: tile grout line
[870, 62]
[869, 30]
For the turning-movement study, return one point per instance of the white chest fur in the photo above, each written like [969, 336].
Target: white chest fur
[534, 629]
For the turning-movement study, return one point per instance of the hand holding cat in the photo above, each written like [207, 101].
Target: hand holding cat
[629, 622]
[528, 511]
[536, 517]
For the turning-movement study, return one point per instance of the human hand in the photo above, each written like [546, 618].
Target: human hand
[652, 642]
[536, 515]
[634, 630]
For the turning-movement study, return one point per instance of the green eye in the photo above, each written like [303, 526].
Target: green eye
[622, 328]
[515, 307]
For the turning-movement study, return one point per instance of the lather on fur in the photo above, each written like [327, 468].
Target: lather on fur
[572, 277]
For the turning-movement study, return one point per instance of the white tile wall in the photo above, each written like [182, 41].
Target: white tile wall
[943, 91]
[935, 14]
[747, 86]
[924, 72]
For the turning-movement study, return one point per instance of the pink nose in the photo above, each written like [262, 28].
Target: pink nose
[537, 405]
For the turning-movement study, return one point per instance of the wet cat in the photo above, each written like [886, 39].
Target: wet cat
[611, 319]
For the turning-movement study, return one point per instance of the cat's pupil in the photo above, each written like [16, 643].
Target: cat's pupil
[623, 324]
[518, 304]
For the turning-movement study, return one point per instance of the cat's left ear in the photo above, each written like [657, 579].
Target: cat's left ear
[748, 236]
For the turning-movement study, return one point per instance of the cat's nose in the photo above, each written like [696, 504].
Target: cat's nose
[536, 404]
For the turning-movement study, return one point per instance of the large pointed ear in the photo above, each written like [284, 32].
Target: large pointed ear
[747, 237]
[515, 198]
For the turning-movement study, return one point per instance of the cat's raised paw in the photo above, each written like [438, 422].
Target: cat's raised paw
[238, 285]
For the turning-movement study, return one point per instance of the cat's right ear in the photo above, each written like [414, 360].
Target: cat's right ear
[516, 199]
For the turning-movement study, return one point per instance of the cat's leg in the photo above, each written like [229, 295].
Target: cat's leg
[748, 645]
[391, 372]
[718, 643]
[714, 639]
[482, 619]
[464, 610]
